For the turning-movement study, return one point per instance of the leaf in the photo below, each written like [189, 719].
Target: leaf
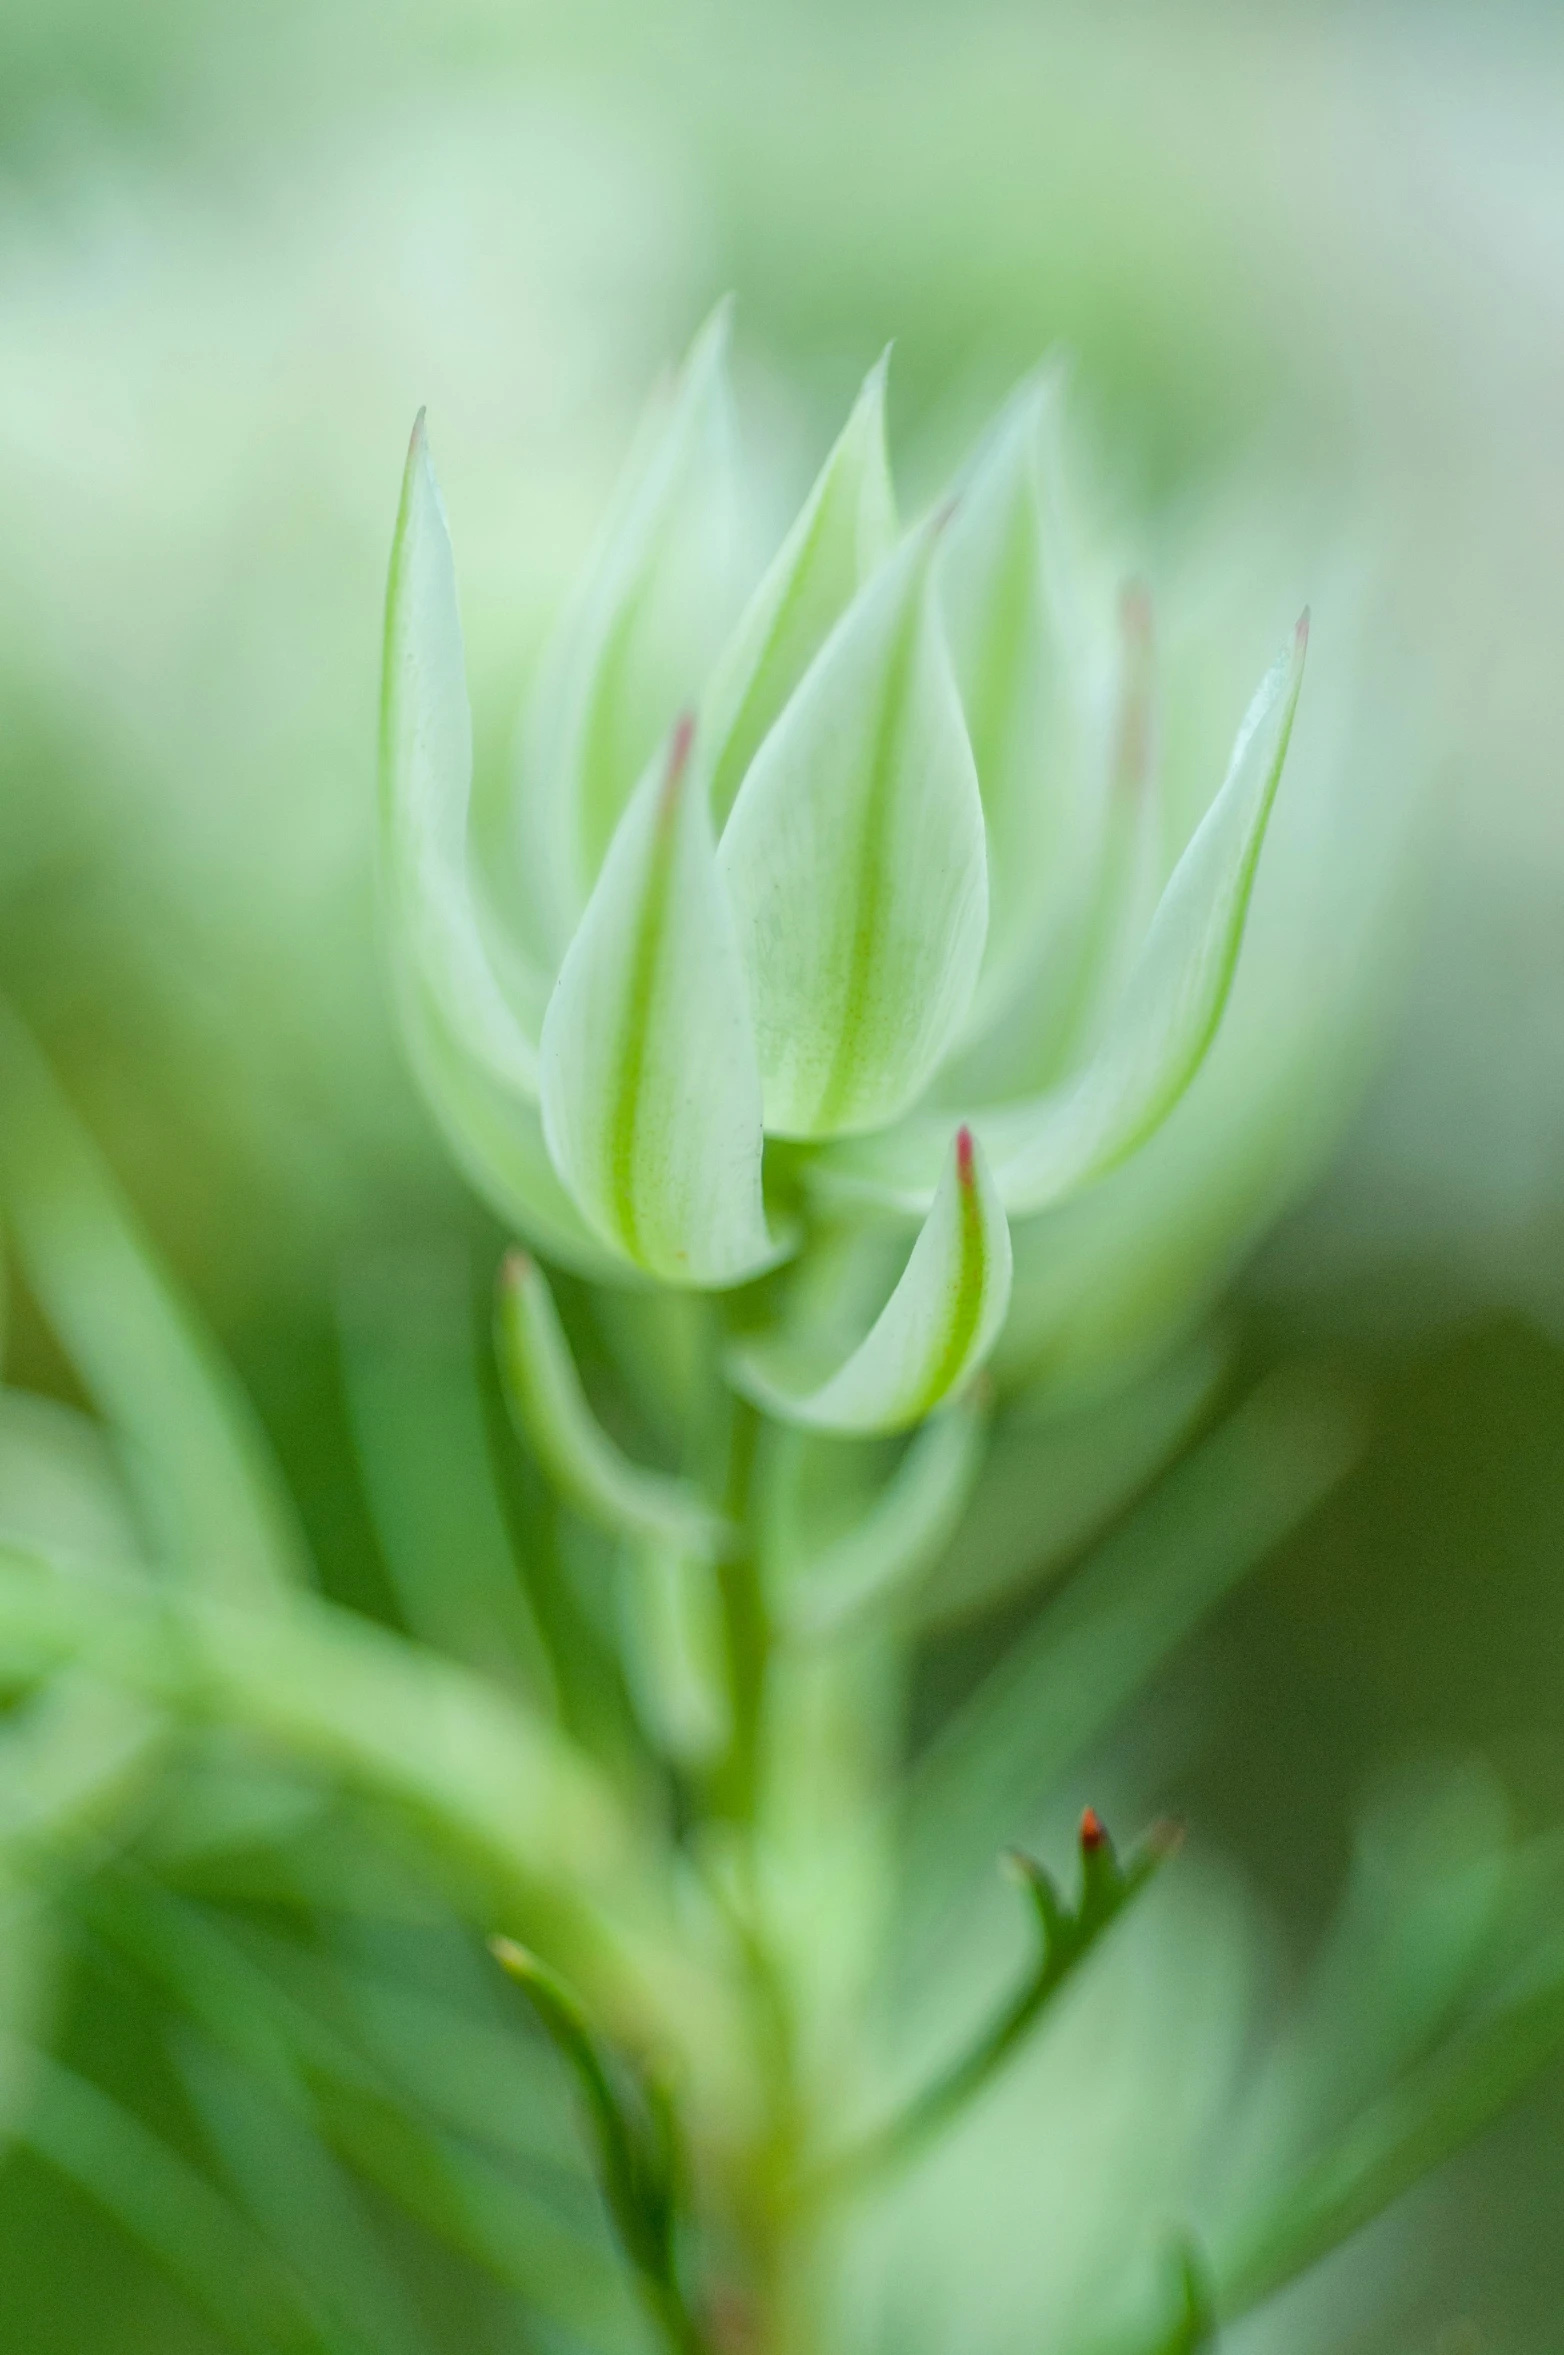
[932, 1334]
[210, 1501]
[425, 1451]
[1065, 1936]
[432, 911]
[299, 2199]
[588, 1469]
[1391, 2145]
[846, 529]
[1157, 1036]
[634, 2130]
[656, 604]
[200, 2240]
[855, 860]
[330, 1689]
[884, 1557]
[674, 1649]
[651, 1092]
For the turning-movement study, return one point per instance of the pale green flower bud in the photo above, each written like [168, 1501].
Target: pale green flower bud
[838, 906]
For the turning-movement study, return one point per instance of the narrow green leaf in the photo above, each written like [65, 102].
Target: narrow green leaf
[1392, 2145]
[884, 1556]
[425, 1450]
[674, 1649]
[545, 1394]
[658, 599]
[432, 911]
[932, 1334]
[651, 1091]
[856, 863]
[331, 1689]
[634, 2130]
[1166, 1017]
[210, 1502]
[299, 2200]
[198, 2238]
[1066, 1935]
[846, 529]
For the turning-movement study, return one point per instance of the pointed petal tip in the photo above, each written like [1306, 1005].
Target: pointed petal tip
[1300, 637]
[965, 1170]
[1093, 1830]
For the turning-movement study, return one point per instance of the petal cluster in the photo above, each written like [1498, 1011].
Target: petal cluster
[839, 905]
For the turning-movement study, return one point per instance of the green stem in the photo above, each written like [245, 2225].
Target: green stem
[747, 1628]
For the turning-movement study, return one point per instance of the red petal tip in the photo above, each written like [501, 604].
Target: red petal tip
[1135, 611]
[964, 1156]
[1093, 1833]
[1301, 634]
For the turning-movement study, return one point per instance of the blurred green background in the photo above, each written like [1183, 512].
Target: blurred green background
[1320, 245]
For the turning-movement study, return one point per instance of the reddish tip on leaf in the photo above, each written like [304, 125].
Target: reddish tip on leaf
[1135, 614]
[1301, 634]
[963, 1157]
[1165, 1839]
[1093, 1833]
[678, 761]
[516, 1266]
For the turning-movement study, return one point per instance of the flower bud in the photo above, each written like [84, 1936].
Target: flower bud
[879, 931]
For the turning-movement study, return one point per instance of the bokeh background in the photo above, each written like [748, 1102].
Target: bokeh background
[1316, 246]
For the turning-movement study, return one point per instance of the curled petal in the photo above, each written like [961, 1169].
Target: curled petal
[883, 1558]
[932, 1334]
